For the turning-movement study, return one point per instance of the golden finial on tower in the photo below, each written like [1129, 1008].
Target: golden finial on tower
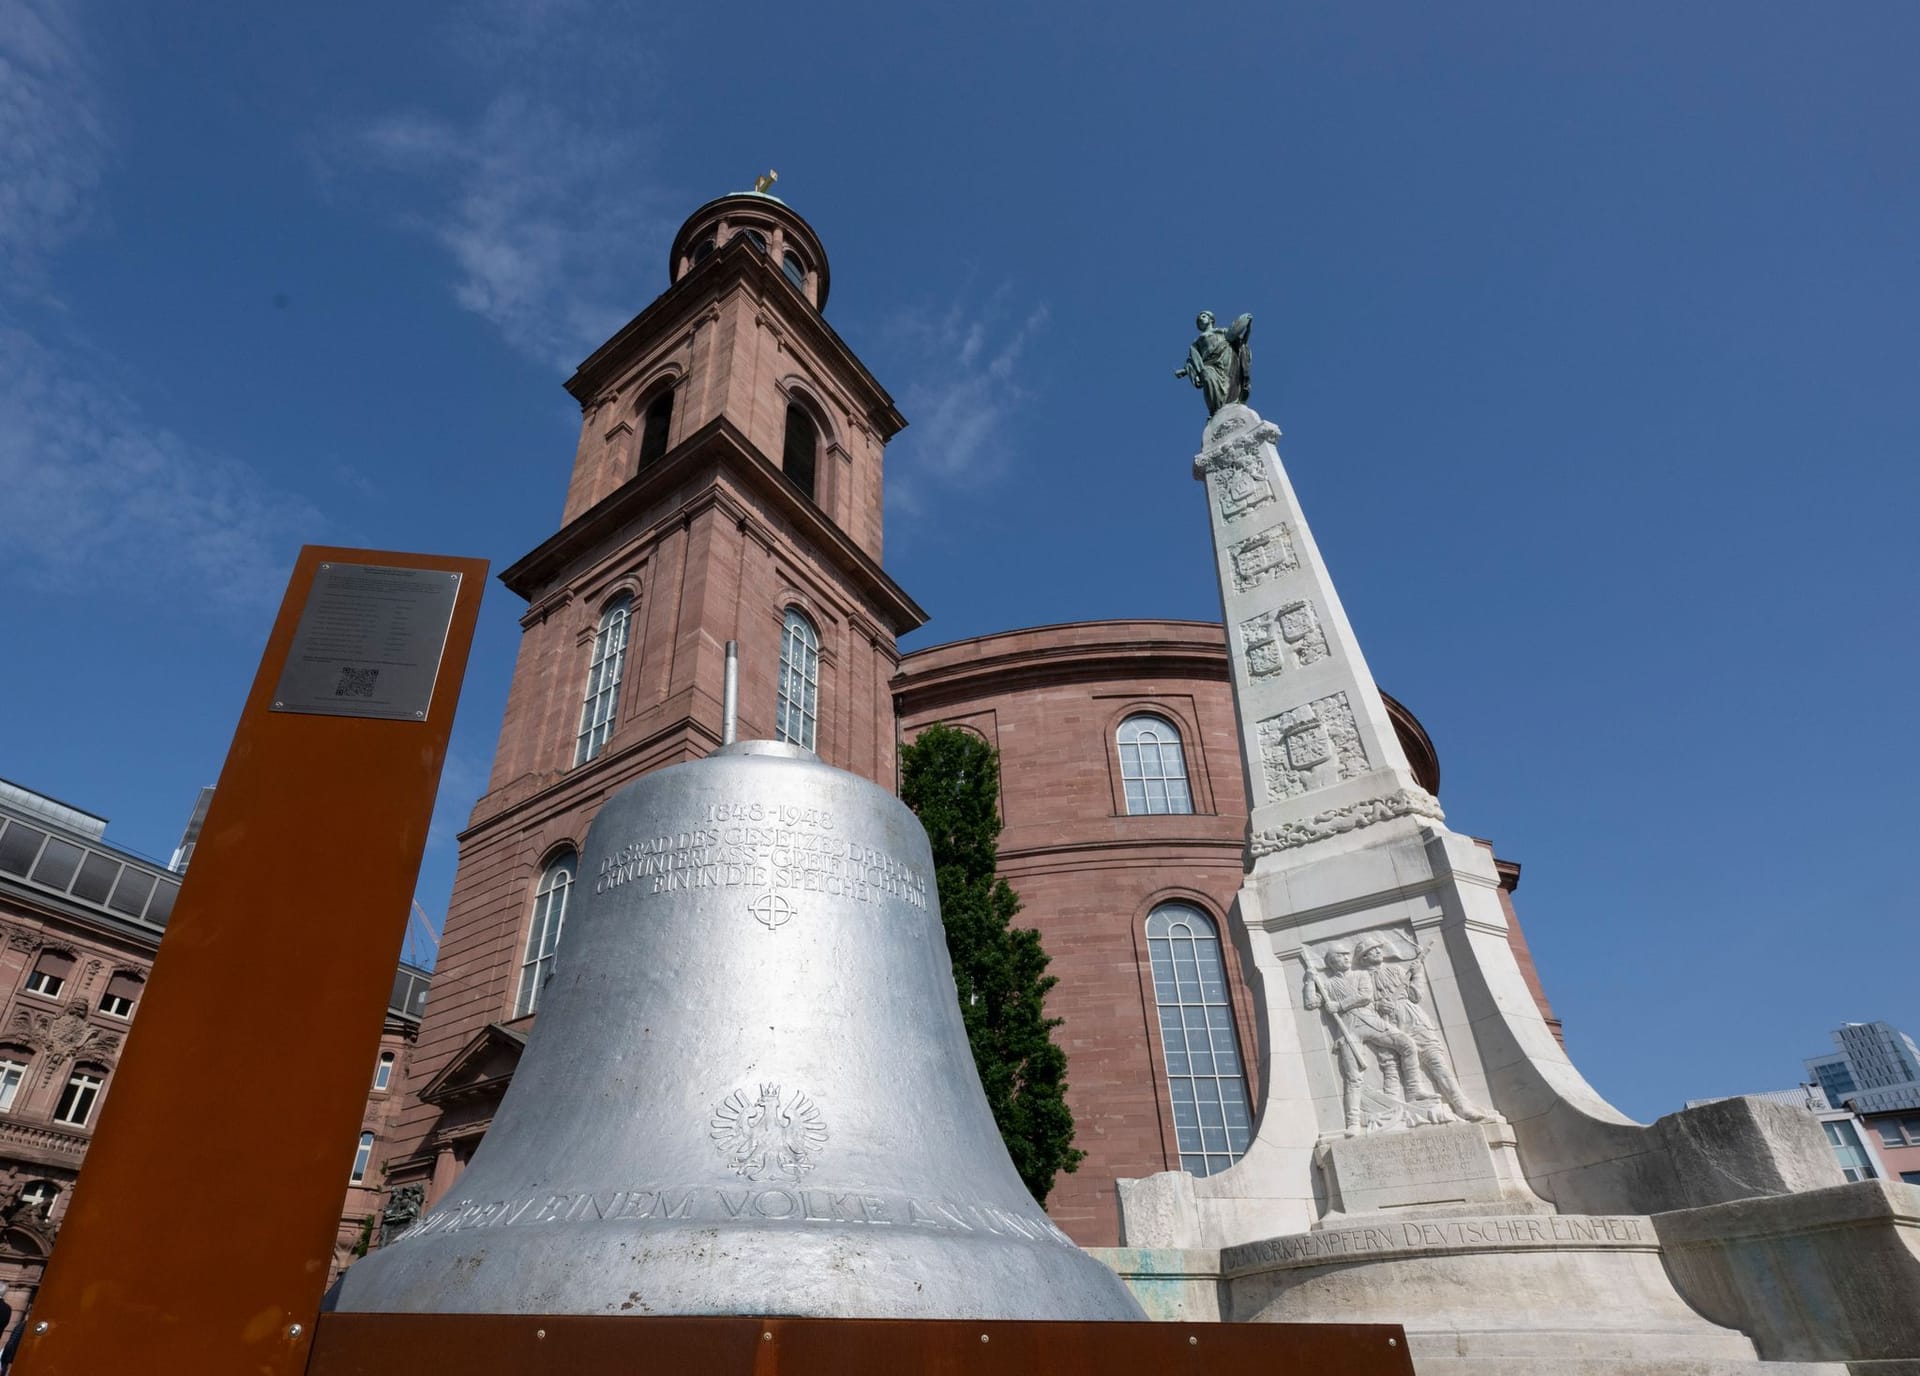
[761, 183]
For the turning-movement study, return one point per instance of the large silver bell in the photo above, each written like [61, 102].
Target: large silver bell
[748, 1089]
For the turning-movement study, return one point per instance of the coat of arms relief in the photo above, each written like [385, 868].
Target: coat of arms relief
[1394, 1068]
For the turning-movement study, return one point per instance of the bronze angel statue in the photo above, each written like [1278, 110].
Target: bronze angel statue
[1220, 362]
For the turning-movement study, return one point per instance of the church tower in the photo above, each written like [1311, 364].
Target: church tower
[727, 486]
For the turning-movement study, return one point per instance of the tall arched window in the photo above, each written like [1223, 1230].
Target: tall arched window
[653, 428]
[1212, 1119]
[1152, 766]
[360, 1158]
[543, 937]
[799, 456]
[603, 679]
[797, 713]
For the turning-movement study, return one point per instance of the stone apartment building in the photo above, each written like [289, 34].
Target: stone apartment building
[728, 486]
[80, 922]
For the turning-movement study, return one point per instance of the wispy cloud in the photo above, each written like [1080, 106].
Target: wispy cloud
[964, 387]
[53, 144]
[97, 496]
[92, 494]
[539, 211]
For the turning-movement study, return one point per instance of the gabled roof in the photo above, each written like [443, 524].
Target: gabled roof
[481, 1068]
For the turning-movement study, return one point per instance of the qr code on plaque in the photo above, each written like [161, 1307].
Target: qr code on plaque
[356, 683]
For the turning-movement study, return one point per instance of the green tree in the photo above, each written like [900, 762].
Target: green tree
[951, 779]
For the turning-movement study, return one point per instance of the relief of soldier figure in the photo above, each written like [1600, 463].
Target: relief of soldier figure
[1370, 996]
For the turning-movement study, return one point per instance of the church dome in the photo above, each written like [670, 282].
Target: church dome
[764, 223]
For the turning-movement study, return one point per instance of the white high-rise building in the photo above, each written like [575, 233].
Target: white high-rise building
[1876, 1067]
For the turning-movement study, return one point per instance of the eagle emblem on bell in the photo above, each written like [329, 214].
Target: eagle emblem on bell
[762, 1137]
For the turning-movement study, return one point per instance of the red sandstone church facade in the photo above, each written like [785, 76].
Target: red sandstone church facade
[728, 486]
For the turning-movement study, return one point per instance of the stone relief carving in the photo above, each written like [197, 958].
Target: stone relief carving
[763, 1136]
[1300, 629]
[1272, 640]
[63, 1037]
[1405, 802]
[1311, 746]
[1235, 468]
[403, 1207]
[23, 941]
[1394, 1068]
[1262, 556]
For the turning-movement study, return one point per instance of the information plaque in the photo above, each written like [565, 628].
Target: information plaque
[369, 642]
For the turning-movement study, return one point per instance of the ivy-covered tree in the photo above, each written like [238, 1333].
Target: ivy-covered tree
[951, 779]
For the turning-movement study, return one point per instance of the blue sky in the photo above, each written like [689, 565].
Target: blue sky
[1591, 330]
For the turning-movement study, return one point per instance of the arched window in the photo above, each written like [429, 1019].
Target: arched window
[799, 456]
[383, 1072]
[796, 270]
[752, 236]
[797, 713]
[702, 249]
[1152, 766]
[361, 1157]
[1211, 1116]
[543, 937]
[603, 679]
[653, 428]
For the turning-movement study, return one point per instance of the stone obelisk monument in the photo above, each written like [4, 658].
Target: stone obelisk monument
[1426, 1152]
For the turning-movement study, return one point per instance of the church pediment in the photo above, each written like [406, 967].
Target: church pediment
[480, 1069]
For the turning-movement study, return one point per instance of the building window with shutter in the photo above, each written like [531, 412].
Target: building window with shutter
[543, 937]
[1199, 1047]
[797, 711]
[603, 679]
[1153, 767]
[50, 974]
[122, 992]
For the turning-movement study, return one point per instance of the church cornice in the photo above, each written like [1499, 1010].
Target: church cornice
[736, 265]
[718, 444]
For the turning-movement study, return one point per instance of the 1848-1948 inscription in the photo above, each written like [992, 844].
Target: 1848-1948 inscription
[764, 847]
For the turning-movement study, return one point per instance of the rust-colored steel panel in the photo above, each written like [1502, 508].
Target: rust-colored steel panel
[574, 1345]
[263, 1010]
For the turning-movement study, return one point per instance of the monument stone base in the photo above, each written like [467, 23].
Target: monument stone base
[1816, 1281]
[1446, 1168]
[1486, 1295]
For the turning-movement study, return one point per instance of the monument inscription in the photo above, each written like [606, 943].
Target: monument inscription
[369, 642]
[764, 847]
[1438, 1235]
